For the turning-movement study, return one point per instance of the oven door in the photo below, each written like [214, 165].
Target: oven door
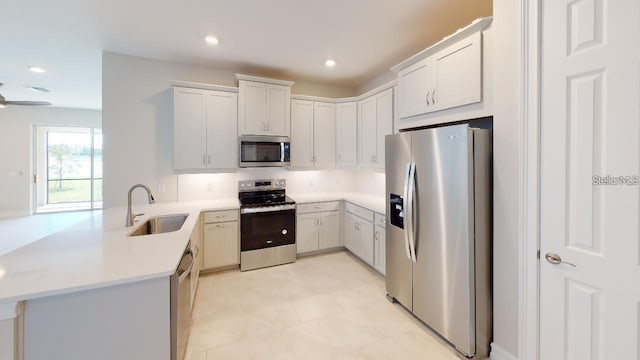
[258, 151]
[266, 227]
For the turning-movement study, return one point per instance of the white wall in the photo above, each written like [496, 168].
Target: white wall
[507, 147]
[137, 123]
[16, 137]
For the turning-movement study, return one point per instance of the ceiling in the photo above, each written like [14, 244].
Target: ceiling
[289, 39]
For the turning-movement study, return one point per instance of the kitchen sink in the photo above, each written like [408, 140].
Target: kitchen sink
[160, 224]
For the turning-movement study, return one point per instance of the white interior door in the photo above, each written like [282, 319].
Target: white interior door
[589, 130]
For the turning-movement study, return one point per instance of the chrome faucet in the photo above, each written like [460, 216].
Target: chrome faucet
[130, 215]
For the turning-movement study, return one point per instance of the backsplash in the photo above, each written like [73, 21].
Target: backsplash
[225, 185]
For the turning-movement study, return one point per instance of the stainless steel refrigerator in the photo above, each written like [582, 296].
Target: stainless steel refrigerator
[438, 187]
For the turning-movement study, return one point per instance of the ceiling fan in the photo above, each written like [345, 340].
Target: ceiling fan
[4, 102]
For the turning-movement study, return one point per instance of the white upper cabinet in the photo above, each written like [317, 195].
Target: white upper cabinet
[204, 129]
[313, 134]
[324, 135]
[458, 74]
[301, 134]
[384, 124]
[252, 108]
[375, 121]
[222, 130]
[367, 128]
[278, 111]
[189, 129]
[263, 106]
[414, 85]
[347, 134]
[446, 80]
[451, 77]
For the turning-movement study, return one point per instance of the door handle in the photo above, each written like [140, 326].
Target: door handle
[409, 211]
[405, 207]
[555, 259]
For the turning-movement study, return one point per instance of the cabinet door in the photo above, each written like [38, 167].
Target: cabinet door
[324, 134]
[307, 232]
[301, 134]
[367, 131]
[384, 124]
[329, 231]
[347, 135]
[189, 129]
[221, 245]
[252, 108]
[414, 86]
[196, 249]
[278, 110]
[458, 74]
[222, 130]
[380, 249]
[365, 247]
[351, 233]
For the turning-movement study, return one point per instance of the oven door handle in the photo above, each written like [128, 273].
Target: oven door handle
[267, 209]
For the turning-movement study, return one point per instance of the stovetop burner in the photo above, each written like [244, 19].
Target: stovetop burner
[255, 193]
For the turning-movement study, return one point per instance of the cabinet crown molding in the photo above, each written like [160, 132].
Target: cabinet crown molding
[264, 80]
[476, 25]
[202, 86]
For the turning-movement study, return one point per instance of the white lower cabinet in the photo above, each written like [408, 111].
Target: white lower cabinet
[317, 230]
[379, 239]
[358, 237]
[221, 241]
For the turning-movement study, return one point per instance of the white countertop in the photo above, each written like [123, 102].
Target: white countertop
[371, 202]
[96, 252]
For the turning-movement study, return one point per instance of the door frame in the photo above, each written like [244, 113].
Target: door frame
[529, 212]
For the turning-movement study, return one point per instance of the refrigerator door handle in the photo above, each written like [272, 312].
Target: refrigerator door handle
[409, 211]
[405, 207]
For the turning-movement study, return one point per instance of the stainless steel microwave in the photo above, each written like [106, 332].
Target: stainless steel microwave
[262, 151]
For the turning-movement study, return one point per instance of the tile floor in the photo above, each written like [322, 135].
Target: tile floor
[323, 307]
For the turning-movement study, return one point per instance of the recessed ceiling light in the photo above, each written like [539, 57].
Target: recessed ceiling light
[330, 63]
[38, 89]
[36, 69]
[211, 40]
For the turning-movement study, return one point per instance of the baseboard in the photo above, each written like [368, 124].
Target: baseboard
[497, 353]
[13, 214]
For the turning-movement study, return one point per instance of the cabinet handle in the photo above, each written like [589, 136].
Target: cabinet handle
[433, 96]
[428, 103]
[209, 159]
[339, 156]
[204, 159]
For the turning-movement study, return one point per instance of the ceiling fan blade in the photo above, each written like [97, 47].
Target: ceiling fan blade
[27, 103]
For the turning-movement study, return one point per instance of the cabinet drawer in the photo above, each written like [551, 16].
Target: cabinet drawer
[318, 207]
[359, 211]
[220, 216]
[380, 220]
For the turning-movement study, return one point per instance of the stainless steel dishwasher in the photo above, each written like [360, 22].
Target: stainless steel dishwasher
[181, 305]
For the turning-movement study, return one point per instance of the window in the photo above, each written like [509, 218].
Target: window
[68, 168]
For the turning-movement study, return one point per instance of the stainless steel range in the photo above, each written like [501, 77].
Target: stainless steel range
[267, 224]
